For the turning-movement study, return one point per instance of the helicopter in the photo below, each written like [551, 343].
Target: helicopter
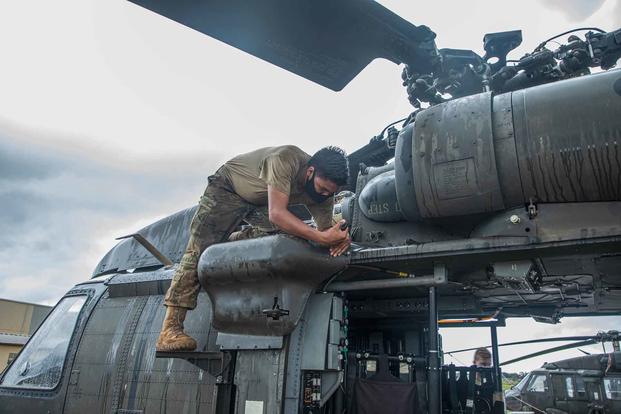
[498, 197]
[582, 384]
[586, 384]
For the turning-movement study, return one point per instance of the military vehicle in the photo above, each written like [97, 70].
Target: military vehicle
[586, 384]
[500, 196]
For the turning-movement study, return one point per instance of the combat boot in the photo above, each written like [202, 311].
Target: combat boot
[172, 338]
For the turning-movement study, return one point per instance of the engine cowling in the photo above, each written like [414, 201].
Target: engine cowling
[552, 143]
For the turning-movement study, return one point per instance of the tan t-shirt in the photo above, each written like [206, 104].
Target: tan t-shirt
[281, 167]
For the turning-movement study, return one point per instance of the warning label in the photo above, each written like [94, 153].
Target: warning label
[455, 179]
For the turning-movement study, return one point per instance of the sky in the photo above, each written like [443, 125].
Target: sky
[112, 117]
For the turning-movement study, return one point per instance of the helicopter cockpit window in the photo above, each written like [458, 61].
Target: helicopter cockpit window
[520, 385]
[539, 383]
[41, 362]
[612, 387]
[569, 386]
[580, 387]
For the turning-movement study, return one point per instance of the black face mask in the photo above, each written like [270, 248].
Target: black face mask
[309, 188]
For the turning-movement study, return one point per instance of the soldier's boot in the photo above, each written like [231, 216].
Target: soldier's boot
[172, 338]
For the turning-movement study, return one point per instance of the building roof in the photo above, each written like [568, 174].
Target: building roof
[12, 339]
[25, 303]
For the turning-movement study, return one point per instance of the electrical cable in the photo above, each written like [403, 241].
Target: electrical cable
[542, 44]
[382, 270]
[455, 358]
[381, 134]
[331, 279]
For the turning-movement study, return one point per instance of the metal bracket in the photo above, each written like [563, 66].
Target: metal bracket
[440, 273]
[150, 248]
[275, 313]
[391, 138]
[374, 236]
[532, 209]
[228, 342]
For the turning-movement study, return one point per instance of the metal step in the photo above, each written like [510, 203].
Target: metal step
[214, 363]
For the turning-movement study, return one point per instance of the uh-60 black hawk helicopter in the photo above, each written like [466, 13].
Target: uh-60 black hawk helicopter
[585, 384]
[503, 199]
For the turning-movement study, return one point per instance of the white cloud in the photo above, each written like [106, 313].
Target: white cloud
[575, 10]
[63, 205]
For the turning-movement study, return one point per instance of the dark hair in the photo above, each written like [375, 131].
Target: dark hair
[331, 163]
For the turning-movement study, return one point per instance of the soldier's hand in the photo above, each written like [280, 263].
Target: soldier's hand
[334, 236]
[340, 248]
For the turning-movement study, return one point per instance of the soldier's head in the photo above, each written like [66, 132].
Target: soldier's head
[326, 172]
[482, 358]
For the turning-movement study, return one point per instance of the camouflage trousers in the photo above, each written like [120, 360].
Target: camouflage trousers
[220, 211]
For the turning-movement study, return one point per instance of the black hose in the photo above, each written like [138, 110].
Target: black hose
[542, 44]
[381, 134]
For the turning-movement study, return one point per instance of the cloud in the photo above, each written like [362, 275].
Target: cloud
[616, 13]
[13, 159]
[574, 10]
[62, 203]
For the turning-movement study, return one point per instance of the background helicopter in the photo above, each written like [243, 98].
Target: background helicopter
[585, 384]
[518, 283]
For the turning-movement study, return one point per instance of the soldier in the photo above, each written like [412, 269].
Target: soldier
[274, 177]
[482, 358]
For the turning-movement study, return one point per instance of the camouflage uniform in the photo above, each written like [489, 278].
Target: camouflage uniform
[250, 232]
[220, 211]
[236, 192]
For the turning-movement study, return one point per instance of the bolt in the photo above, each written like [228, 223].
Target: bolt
[514, 219]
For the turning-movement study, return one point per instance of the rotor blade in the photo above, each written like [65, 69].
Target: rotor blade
[531, 341]
[584, 352]
[550, 350]
[326, 41]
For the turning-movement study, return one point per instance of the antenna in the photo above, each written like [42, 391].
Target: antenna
[150, 248]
